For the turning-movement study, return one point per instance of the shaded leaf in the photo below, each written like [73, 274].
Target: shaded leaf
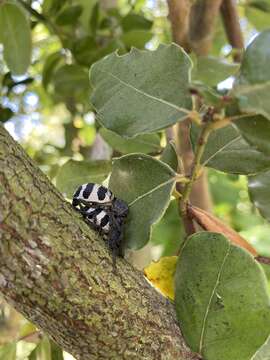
[135, 21]
[142, 91]
[211, 70]
[161, 275]
[16, 37]
[5, 114]
[74, 173]
[136, 38]
[146, 143]
[169, 156]
[259, 191]
[51, 62]
[256, 131]
[220, 319]
[146, 185]
[69, 15]
[226, 150]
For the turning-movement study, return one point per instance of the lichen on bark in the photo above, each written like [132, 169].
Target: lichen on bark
[59, 274]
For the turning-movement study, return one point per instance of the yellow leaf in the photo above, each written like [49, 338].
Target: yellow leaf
[161, 275]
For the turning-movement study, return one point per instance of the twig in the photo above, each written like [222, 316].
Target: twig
[232, 27]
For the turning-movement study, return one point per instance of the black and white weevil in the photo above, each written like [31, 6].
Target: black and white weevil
[103, 212]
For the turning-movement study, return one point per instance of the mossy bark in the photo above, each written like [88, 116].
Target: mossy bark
[59, 274]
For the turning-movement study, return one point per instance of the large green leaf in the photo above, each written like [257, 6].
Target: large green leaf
[145, 143]
[253, 85]
[256, 131]
[259, 191]
[264, 352]
[226, 150]
[211, 70]
[74, 173]
[221, 298]
[142, 91]
[146, 185]
[15, 36]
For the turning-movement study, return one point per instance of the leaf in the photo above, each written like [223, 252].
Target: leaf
[75, 173]
[5, 114]
[221, 298]
[16, 37]
[211, 71]
[253, 83]
[145, 184]
[24, 349]
[71, 80]
[256, 131]
[161, 275]
[135, 21]
[8, 351]
[69, 15]
[146, 143]
[259, 192]
[142, 91]
[226, 150]
[27, 329]
[210, 223]
[56, 351]
[49, 67]
[136, 38]
[169, 156]
[264, 352]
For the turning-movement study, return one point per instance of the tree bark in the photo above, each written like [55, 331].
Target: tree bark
[58, 273]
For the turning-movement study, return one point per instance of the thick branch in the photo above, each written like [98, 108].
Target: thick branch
[202, 21]
[232, 26]
[59, 274]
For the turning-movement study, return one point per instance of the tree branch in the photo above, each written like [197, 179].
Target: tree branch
[232, 27]
[59, 274]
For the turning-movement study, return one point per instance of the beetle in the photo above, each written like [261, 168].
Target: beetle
[103, 212]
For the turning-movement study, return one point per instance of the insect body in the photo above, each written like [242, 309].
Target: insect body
[103, 212]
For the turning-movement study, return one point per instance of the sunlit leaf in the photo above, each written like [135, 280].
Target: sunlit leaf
[142, 91]
[15, 36]
[221, 297]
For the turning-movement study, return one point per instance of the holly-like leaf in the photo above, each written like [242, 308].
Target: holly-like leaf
[15, 36]
[169, 156]
[142, 91]
[259, 191]
[161, 275]
[145, 143]
[221, 298]
[253, 84]
[256, 131]
[227, 150]
[75, 173]
[145, 184]
[211, 70]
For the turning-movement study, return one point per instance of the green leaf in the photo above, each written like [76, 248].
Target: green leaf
[169, 232]
[264, 352]
[69, 15]
[135, 21]
[253, 84]
[49, 67]
[222, 300]
[136, 38]
[5, 114]
[8, 351]
[259, 191]
[146, 143]
[16, 37]
[142, 91]
[257, 17]
[56, 351]
[146, 185]
[211, 70]
[169, 156]
[226, 150]
[71, 80]
[74, 173]
[256, 131]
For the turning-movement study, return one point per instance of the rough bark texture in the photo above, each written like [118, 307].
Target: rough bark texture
[58, 273]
